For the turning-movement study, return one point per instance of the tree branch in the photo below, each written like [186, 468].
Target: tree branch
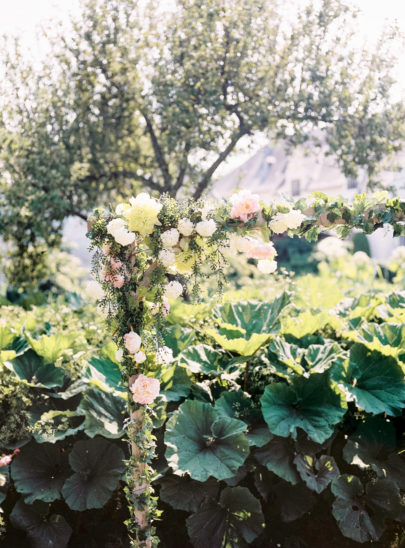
[158, 152]
[204, 181]
[183, 168]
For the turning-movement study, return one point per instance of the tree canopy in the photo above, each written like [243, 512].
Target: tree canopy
[138, 95]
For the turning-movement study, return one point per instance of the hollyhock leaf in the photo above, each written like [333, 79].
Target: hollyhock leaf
[204, 443]
[238, 515]
[31, 368]
[309, 404]
[39, 472]
[184, 493]
[98, 466]
[104, 413]
[374, 381]
[317, 473]
[43, 530]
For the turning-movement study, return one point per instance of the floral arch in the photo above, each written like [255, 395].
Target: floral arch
[142, 250]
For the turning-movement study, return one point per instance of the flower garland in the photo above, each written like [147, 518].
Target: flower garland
[148, 250]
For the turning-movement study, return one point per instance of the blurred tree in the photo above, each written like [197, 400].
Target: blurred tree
[142, 95]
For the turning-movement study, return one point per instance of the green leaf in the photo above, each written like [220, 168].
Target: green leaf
[283, 356]
[387, 338]
[50, 347]
[98, 466]
[57, 425]
[317, 473]
[178, 338]
[203, 443]
[6, 337]
[307, 323]
[39, 472]
[202, 358]
[362, 513]
[277, 456]
[374, 381]
[373, 446]
[104, 413]
[309, 404]
[184, 493]
[320, 357]
[31, 368]
[44, 530]
[232, 341]
[237, 515]
[238, 405]
[175, 383]
[106, 372]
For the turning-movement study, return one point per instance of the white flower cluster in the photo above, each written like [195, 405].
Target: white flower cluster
[206, 228]
[118, 230]
[332, 247]
[285, 221]
[167, 257]
[164, 355]
[185, 227]
[266, 267]
[172, 290]
[170, 237]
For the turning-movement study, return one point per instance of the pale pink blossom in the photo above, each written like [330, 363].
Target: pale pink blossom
[262, 251]
[244, 205]
[132, 342]
[111, 276]
[145, 389]
[5, 460]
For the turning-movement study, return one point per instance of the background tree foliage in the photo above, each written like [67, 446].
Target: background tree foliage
[143, 96]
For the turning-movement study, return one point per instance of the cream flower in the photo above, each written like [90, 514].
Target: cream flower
[170, 237]
[173, 289]
[206, 228]
[245, 243]
[143, 214]
[266, 267]
[164, 355]
[94, 290]
[262, 251]
[145, 389]
[114, 225]
[132, 342]
[294, 218]
[167, 257]
[140, 357]
[185, 227]
[278, 224]
[244, 205]
[123, 237]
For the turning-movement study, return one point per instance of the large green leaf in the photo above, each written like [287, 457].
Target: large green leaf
[389, 339]
[39, 472]
[6, 337]
[203, 443]
[238, 405]
[284, 357]
[307, 403]
[98, 466]
[175, 383]
[361, 512]
[277, 456]
[43, 529]
[202, 358]
[253, 317]
[31, 368]
[373, 446]
[57, 425]
[237, 515]
[320, 357]
[307, 323]
[317, 473]
[374, 381]
[104, 413]
[105, 372]
[234, 341]
[50, 347]
[178, 338]
[184, 493]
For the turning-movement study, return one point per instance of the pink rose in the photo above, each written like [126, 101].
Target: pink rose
[244, 205]
[145, 389]
[5, 460]
[132, 342]
[112, 277]
[262, 251]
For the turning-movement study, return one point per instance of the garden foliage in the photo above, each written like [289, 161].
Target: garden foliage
[279, 421]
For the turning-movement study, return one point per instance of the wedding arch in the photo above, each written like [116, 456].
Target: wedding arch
[149, 251]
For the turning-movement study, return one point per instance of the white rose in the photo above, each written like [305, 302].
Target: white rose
[123, 237]
[132, 342]
[294, 218]
[94, 290]
[170, 237]
[140, 357]
[266, 267]
[184, 244]
[206, 210]
[164, 355]
[278, 224]
[206, 228]
[167, 257]
[115, 225]
[172, 290]
[185, 227]
[245, 244]
[119, 355]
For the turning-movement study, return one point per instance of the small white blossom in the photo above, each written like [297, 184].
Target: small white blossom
[170, 237]
[206, 228]
[184, 244]
[119, 355]
[172, 290]
[164, 355]
[294, 218]
[266, 267]
[185, 227]
[278, 224]
[94, 290]
[123, 237]
[245, 244]
[167, 257]
[3, 480]
[132, 342]
[120, 209]
[332, 247]
[140, 357]
[115, 225]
